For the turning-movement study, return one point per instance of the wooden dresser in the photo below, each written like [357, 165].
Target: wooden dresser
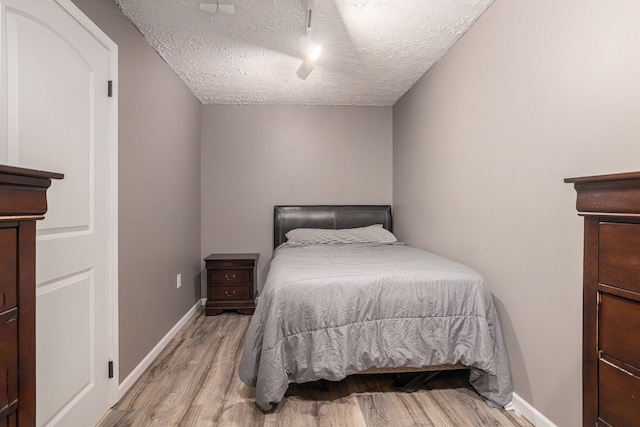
[22, 202]
[231, 283]
[610, 205]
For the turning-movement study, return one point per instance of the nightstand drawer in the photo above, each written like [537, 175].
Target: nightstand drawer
[225, 277]
[231, 292]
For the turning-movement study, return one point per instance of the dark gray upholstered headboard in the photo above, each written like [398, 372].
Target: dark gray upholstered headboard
[286, 218]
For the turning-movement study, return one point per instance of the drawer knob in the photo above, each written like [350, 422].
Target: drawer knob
[229, 294]
[233, 276]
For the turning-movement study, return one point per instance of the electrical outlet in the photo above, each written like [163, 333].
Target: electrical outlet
[178, 281]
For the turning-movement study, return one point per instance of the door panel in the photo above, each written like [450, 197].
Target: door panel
[65, 320]
[55, 75]
[57, 100]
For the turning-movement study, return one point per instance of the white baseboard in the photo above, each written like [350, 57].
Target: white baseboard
[148, 360]
[535, 417]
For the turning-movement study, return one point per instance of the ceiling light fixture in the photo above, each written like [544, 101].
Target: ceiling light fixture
[215, 7]
[310, 49]
[305, 69]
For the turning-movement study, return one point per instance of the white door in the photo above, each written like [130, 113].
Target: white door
[57, 116]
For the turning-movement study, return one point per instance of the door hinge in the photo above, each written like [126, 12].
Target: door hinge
[110, 88]
[110, 368]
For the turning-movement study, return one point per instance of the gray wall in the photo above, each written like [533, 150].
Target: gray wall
[255, 157]
[533, 93]
[159, 189]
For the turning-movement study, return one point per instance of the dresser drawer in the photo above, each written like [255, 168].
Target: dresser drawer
[228, 277]
[10, 421]
[8, 358]
[619, 255]
[231, 292]
[619, 331]
[8, 268]
[619, 396]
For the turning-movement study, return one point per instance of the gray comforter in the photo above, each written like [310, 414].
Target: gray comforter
[328, 311]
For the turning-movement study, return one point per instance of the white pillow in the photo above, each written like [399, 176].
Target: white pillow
[312, 236]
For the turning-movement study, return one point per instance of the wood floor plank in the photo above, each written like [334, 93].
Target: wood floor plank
[194, 382]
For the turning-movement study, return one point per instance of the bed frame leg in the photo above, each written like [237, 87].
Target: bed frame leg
[412, 382]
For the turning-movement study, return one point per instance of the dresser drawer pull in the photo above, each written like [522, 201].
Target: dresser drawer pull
[9, 315]
[229, 294]
[232, 277]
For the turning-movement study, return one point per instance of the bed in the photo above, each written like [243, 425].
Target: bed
[366, 304]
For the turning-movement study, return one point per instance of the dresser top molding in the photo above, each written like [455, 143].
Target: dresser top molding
[13, 175]
[23, 192]
[611, 195]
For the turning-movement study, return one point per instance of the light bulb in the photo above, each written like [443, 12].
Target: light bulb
[310, 49]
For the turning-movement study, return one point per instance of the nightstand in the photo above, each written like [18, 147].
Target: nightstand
[231, 283]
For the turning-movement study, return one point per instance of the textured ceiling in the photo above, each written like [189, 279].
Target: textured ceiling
[373, 50]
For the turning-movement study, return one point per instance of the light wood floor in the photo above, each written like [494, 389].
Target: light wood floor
[194, 382]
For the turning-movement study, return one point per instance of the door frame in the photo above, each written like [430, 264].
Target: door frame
[112, 233]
